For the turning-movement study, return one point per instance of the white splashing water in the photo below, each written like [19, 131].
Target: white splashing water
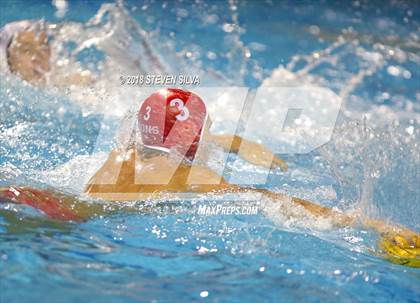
[364, 151]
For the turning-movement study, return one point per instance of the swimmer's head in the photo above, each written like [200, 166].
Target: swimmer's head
[27, 50]
[173, 119]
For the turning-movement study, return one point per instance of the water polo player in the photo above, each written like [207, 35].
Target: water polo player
[176, 121]
[25, 51]
[172, 124]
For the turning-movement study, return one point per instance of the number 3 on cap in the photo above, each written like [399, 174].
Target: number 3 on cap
[146, 117]
[185, 113]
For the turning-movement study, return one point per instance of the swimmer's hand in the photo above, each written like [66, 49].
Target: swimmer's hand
[398, 244]
[401, 248]
[250, 151]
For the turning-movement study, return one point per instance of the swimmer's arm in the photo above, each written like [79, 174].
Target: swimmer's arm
[59, 206]
[397, 243]
[80, 79]
[59, 78]
[343, 219]
[337, 218]
[15, 224]
[250, 151]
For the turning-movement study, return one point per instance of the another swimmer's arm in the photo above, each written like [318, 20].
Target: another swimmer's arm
[60, 78]
[78, 79]
[250, 151]
[398, 244]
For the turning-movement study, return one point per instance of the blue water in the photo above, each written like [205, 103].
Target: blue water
[175, 255]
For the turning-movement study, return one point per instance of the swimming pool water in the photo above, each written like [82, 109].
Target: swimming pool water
[175, 255]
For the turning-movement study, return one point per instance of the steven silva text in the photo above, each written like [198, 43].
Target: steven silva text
[159, 80]
[205, 210]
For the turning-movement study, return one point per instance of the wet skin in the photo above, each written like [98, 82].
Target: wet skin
[29, 57]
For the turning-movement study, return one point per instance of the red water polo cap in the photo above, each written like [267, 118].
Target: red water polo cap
[172, 119]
